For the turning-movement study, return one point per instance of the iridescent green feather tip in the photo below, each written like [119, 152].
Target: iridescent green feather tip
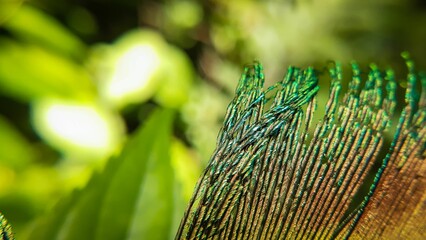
[5, 229]
[277, 174]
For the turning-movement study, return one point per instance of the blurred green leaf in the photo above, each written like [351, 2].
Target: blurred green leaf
[15, 150]
[130, 70]
[28, 72]
[7, 8]
[37, 27]
[82, 21]
[141, 65]
[98, 134]
[186, 168]
[133, 198]
[177, 81]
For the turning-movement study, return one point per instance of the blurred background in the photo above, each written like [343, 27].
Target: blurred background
[77, 78]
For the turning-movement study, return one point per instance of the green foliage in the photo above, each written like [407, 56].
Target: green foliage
[19, 154]
[133, 198]
[53, 36]
[29, 72]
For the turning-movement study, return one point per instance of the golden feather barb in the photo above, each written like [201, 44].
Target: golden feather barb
[5, 229]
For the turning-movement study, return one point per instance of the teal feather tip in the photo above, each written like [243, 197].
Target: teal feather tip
[277, 173]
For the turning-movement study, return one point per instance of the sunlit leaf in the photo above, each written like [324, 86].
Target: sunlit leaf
[97, 135]
[33, 25]
[131, 199]
[139, 66]
[131, 70]
[28, 72]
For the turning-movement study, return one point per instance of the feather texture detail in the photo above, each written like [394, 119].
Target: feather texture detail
[278, 174]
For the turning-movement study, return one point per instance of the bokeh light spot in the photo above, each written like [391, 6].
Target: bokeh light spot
[133, 71]
[81, 125]
[77, 127]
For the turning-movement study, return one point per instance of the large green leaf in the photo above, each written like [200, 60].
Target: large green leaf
[35, 26]
[15, 151]
[131, 199]
[8, 8]
[28, 72]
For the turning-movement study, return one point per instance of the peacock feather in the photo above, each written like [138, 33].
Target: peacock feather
[5, 229]
[277, 173]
